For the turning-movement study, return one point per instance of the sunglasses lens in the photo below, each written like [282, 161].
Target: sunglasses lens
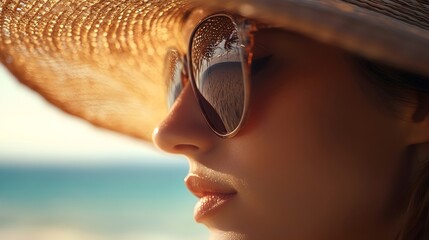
[217, 70]
[173, 76]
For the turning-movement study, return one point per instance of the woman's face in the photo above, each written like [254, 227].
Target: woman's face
[316, 158]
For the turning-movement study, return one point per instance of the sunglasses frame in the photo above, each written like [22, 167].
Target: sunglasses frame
[245, 31]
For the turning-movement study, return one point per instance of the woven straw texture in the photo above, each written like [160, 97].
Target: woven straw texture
[101, 60]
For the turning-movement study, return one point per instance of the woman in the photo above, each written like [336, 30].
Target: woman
[294, 127]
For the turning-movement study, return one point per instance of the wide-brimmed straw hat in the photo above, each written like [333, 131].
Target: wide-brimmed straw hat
[102, 60]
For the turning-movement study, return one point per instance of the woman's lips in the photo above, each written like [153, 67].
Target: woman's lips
[209, 203]
[212, 195]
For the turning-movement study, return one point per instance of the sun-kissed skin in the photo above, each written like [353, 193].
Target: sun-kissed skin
[317, 159]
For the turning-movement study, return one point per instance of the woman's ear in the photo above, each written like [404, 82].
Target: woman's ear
[419, 121]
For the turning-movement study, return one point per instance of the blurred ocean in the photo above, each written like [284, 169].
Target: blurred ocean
[141, 202]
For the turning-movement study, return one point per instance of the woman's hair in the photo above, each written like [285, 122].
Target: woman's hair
[396, 87]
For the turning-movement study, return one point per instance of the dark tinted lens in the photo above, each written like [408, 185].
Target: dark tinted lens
[218, 74]
[173, 76]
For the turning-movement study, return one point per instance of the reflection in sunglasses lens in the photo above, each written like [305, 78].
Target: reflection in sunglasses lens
[218, 73]
[173, 76]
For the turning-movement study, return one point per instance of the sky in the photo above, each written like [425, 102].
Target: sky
[34, 132]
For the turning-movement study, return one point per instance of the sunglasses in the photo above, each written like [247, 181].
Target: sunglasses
[218, 66]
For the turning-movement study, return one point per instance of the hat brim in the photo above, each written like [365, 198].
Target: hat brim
[102, 60]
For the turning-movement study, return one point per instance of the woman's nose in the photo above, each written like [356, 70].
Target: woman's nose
[184, 130]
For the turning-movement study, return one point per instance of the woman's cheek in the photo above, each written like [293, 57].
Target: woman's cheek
[312, 163]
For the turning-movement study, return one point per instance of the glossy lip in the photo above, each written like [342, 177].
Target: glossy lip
[212, 195]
